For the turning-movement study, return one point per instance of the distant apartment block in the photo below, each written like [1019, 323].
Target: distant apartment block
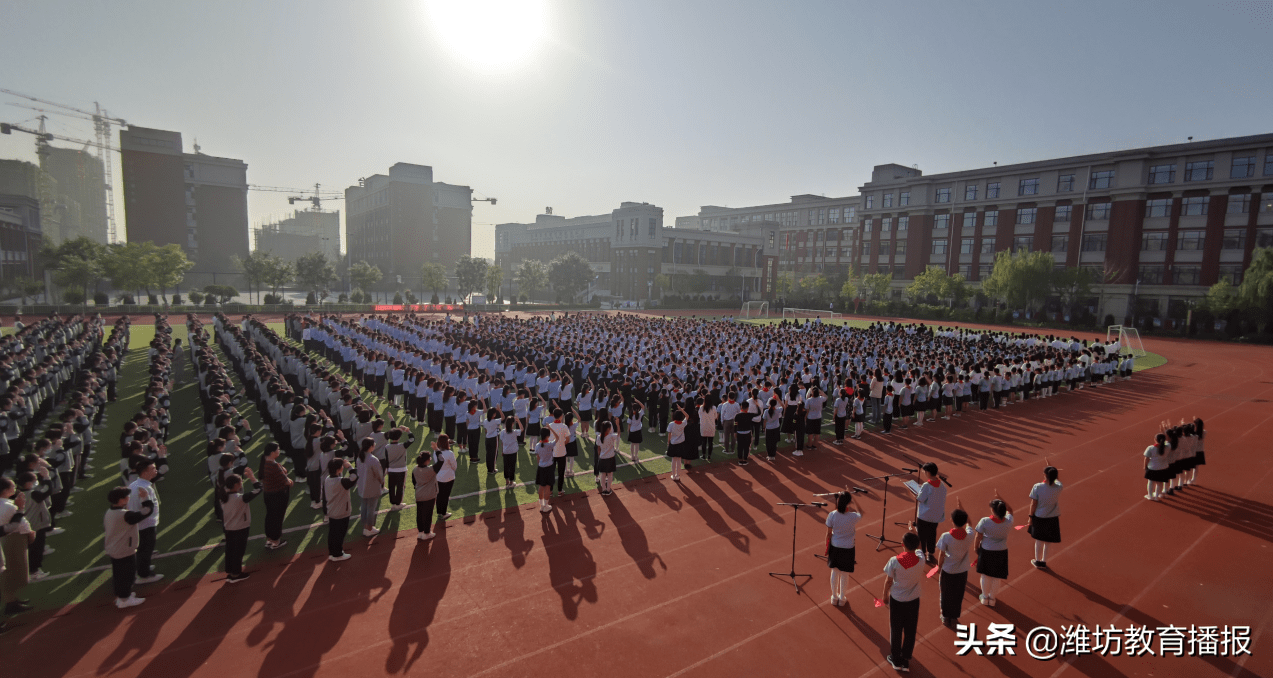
[304, 232]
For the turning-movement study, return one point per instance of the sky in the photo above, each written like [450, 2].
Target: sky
[579, 105]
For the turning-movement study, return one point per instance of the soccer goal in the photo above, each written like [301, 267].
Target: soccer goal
[794, 313]
[754, 309]
[1128, 339]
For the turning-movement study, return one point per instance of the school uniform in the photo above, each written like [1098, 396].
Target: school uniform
[236, 521]
[120, 544]
[992, 559]
[147, 527]
[957, 547]
[544, 464]
[446, 480]
[842, 555]
[931, 510]
[339, 507]
[605, 453]
[1045, 524]
[773, 431]
[396, 460]
[908, 577]
[425, 481]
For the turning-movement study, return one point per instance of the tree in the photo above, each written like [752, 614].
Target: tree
[470, 275]
[257, 267]
[1256, 289]
[816, 286]
[1222, 298]
[126, 264]
[223, 293]
[314, 272]
[663, 281]
[277, 273]
[785, 284]
[26, 287]
[168, 266]
[848, 291]
[1020, 279]
[75, 263]
[433, 277]
[934, 281]
[531, 277]
[1073, 285]
[494, 280]
[363, 275]
[699, 281]
[570, 275]
[876, 285]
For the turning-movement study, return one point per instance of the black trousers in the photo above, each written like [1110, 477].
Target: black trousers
[705, 446]
[510, 467]
[952, 593]
[927, 535]
[397, 483]
[312, 479]
[145, 550]
[123, 575]
[984, 399]
[839, 428]
[744, 445]
[888, 422]
[59, 499]
[444, 495]
[771, 441]
[35, 550]
[424, 515]
[475, 443]
[275, 509]
[902, 620]
[236, 544]
[336, 529]
[560, 463]
[490, 454]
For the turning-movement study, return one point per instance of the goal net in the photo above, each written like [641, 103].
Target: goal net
[793, 313]
[1128, 339]
[755, 309]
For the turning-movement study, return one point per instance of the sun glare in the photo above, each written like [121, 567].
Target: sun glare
[489, 33]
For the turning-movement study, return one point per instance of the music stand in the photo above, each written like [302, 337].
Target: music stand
[792, 575]
[884, 512]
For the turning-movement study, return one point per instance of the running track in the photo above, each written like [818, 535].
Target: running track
[667, 579]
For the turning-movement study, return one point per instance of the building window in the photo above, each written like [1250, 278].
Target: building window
[1242, 167]
[903, 198]
[1158, 208]
[1028, 187]
[1153, 241]
[886, 224]
[984, 271]
[939, 246]
[850, 213]
[991, 219]
[1150, 274]
[943, 195]
[888, 200]
[1230, 273]
[870, 202]
[1234, 239]
[1094, 242]
[1062, 213]
[1194, 207]
[1102, 179]
[903, 223]
[866, 225]
[866, 248]
[965, 246]
[1065, 183]
[1186, 275]
[885, 246]
[1026, 215]
[899, 248]
[822, 216]
[1264, 237]
[1098, 211]
[970, 192]
[1162, 174]
[941, 221]
[1201, 170]
[992, 190]
[1240, 203]
[970, 219]
[987, 245]
[1060, 243]
[834, 217]
[1023, 243]
[898, 271]
[965, 270]
[1190, 241]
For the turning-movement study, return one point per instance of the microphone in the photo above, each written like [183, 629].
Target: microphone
[944, 480]
[859, 490]
[910, 470]
[818, 503]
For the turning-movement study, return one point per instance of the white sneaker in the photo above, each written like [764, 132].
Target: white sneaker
[48, 550]
[370, 533]
[37, 575]
[55, 532]
[797, 453]
[446, 515]
[131, 601]
[426, 536]
[151, 579]
[333, 559]
[316, 505]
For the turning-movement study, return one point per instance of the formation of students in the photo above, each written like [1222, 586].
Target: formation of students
[1172, 461]
[56, 375]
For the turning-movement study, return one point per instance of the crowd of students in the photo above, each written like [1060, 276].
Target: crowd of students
[1172, 461]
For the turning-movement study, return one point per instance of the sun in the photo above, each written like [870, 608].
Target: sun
[494, 34]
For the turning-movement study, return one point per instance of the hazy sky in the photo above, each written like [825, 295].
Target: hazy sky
[680, 104]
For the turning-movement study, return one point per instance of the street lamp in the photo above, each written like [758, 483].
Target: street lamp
[1135, 300]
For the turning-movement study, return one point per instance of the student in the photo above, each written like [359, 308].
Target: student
[238, 519]
[859, 414]
[121, 541]
[1044, 523]
[473, 428]
[889, 399]
[1199, 454]
[841, 547]
[991, 547]
[34, 483]
[424, 477]
[841, 407]
[544, 472]
[930, 510]
[902, 587]
[676, 441]
[813, 404]
[446, 473]
[773, 424]
[339, 506]
[707, 418]
[572, 443]
[15, 537]
[742, 434]
[491, 439]
[145, 470]
[509, 442]
[396, 456]
[277, 487]
[634, 432]
[371, 483]
[1157, 468]
[560, 434]
[953, 557]
[607, 444]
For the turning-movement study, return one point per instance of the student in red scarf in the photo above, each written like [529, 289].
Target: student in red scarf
[904, 577]
[954, 550]
[991, 547]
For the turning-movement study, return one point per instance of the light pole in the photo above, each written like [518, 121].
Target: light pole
[1135, 300]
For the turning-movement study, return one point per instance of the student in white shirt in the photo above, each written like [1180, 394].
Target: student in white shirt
[991, 547]
[606, 446]
[446, 473]
[509, 444]
[903, 583]
[953, 559]
[841, 549]
[1044, 523]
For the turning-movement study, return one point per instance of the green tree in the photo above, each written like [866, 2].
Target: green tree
[876, 285]
[168, 266]
[223, 293]
[314, 272]
[1222, 298]
[26, 287]
[816, 286]
[470, 275]
[363, 275]
[126, 264]
[699, 281]
[531, 277]
[929, 283]
[433, 277]
[1256, 290]
[570, 275]
[785, 284]
[75, 263]
[494, 281]
[1020, 279]
[1073, 285]
[848, 291]
[277, 273]
[663, 281]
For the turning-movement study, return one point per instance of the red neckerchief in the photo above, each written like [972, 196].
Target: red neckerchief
[908, 560]
[997, 519]
[934, 482]
[958, 533]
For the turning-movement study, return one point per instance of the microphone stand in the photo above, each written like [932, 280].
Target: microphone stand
[792, 575]
[884, 514]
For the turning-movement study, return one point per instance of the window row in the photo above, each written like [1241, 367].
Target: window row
[1240, 167]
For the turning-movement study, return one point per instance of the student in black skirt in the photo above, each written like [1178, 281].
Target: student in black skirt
[841, 551]
[1044, 523]
[991, 547]
[1199, 454]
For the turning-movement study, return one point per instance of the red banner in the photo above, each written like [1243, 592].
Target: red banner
[418, 308]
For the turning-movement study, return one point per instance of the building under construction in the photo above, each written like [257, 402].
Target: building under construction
[81, 193]
[311, 230]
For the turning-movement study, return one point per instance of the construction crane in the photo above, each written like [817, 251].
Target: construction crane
[316, 199]
[102, 123]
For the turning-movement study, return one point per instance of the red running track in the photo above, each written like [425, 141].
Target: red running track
[669, 579]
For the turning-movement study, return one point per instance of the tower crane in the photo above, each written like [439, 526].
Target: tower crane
[316, 199]
[102, 123]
